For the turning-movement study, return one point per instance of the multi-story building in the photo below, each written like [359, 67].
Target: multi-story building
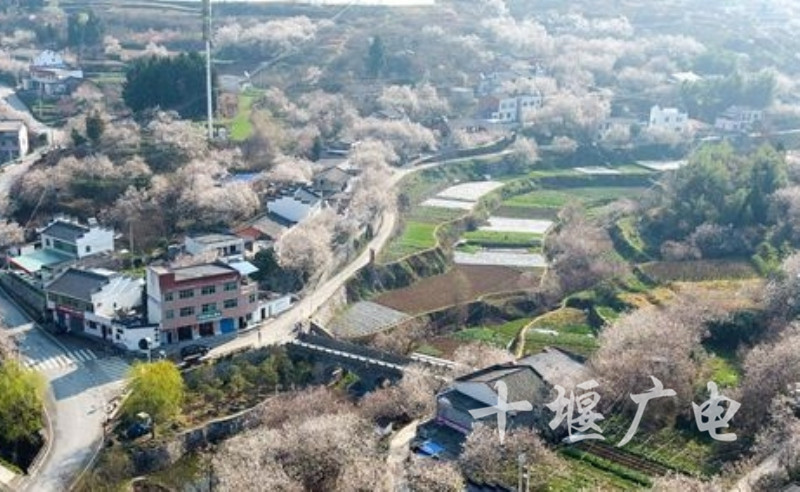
[200, 301]
[51, 75]
[670, 119]
[103, 304]
[13, 140]
[513, 109]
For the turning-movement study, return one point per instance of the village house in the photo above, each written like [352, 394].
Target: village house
[260, 234]
[532, 379]
[101, 304]
[738, 119]
[51, 75]
[13, 140]
[331, 181]
[512, 109]
[669, 119]
[294, 204]
[200, 301]
[61, 243]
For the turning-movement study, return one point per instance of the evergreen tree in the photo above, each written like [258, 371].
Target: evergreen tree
[376, 59]
[95, 126]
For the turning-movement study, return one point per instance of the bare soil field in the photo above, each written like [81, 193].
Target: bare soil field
[462, 284]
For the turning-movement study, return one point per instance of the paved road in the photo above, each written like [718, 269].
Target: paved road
[81, 382]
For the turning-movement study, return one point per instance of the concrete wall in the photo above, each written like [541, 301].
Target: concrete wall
[97, 240]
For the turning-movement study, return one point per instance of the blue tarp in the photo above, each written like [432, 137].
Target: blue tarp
[431, 448]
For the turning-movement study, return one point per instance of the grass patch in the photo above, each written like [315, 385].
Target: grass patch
[572, 332]
[699, 270]
[434, 215]
[427, 349]
[503, 239]
[500, 335]
[417, 236]
[583, 475]
[558, 198]
[722, 370]
[240, 125]
[616, 469]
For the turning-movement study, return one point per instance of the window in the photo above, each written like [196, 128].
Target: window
[187, 311]
[230, 303]
[47, 242]
[252, 298]
[169, 314]
[186, 294]
[208, 290]
[168, 296]
[88, 249]
[229, 286]
[209, 308]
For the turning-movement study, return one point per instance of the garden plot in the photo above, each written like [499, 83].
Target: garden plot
[597, 170]
[504, 224]
[500, 257]
[663, 165]
[365, 318]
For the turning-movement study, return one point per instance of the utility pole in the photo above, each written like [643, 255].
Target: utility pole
[209, 94]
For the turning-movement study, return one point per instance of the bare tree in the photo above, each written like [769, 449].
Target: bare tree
[581, 253]
[485, 459]
[413, 397]
[478, 355]
[676, 481]
[307, 246]
[425, 475]
[11, 234]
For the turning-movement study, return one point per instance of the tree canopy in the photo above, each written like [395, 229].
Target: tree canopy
[170, 83]
[720, 200]
[21, 402]
[156, 388]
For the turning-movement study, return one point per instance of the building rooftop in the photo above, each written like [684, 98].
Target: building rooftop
[10, 125]
[556, 367]
[79, 284]
[211, 239]
[200, 271]
[519, 379]
[334, 175]
[41, 258]
[65, 231]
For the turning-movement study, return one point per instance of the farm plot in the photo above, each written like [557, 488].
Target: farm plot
[502, 258]
[461, 284]
[597, 170]
[699, 270]
[531, 226]
[365, 318]
[444, 203]
[469, 192]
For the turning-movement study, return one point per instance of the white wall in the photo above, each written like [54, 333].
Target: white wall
[154, 295]
[668, 118]
[98, 240]
[271, 307]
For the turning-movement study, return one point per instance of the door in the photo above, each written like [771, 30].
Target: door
[227, 325]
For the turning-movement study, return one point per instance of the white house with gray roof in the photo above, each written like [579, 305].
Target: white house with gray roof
[103, 304]
[77, 240]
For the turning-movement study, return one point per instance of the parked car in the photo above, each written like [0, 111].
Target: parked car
[193, 352]
[428, 449]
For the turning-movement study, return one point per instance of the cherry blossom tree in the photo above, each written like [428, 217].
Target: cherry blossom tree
[307, 246]
[10, 234]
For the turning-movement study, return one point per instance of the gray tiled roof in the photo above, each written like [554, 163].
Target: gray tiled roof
[66, 231]
[78, 284]
[556, 367]
[520, 380]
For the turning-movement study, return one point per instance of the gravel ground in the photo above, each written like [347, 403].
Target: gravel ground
[365, 318]
[471, 191]
[502, 224]
[501, 258]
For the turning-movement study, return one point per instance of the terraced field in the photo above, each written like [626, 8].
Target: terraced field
[365, 318]
[461, 284]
